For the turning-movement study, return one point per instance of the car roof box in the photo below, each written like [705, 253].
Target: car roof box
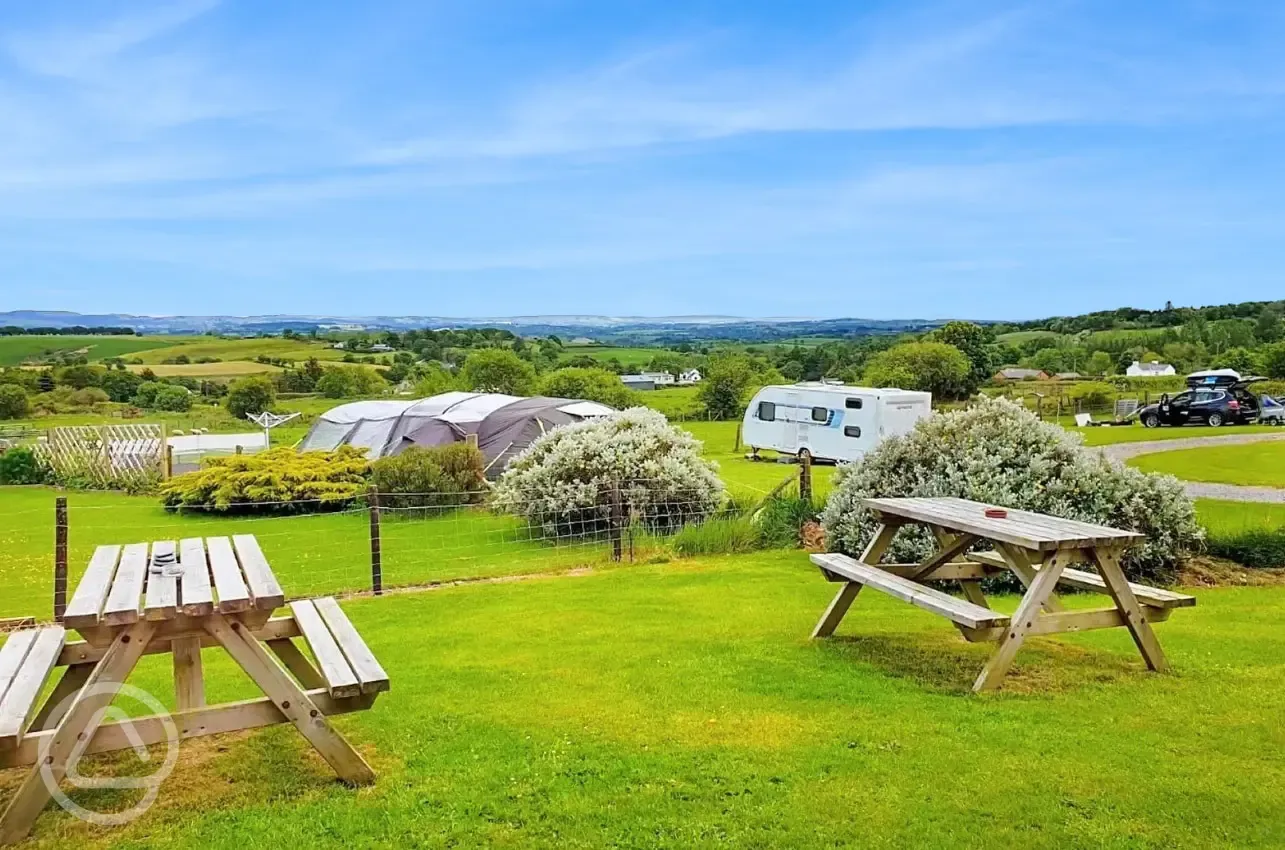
[1214, 378]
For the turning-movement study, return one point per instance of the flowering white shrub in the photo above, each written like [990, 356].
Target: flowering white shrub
[564, 480]
[997, 451]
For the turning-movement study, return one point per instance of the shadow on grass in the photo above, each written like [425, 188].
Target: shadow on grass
[945, 662]
[230, 771]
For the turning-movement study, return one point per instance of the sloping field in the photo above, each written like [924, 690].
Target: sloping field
[16, 350]
[222, 369]
[245, 349]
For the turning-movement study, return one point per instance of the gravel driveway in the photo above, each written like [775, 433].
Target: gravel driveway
[1200, 489]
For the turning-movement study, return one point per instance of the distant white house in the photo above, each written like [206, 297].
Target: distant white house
[660, 379]
[1154, 369]
[689, 376]
[381, 347]
[340, 345]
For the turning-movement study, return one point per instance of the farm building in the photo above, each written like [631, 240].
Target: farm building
[1012, 373]
[1154, 369]
[638, 382]
[503, 424]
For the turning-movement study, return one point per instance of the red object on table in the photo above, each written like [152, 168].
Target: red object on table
[997, 513]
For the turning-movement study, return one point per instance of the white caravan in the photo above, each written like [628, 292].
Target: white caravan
[830, 421]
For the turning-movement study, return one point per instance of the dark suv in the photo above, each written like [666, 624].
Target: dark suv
[1213, 398]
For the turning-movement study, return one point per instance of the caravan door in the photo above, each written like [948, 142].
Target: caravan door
[790, 427]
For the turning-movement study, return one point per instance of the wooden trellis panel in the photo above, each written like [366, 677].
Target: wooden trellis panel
[107, 455]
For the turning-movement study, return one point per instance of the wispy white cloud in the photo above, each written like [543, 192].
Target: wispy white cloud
[1018, 67]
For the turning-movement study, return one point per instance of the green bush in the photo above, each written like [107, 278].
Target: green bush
[591, 384]
[21, 465]
[275, 481]
[564, 482]
[253, 394]
[430, 477]
[156, 395]
[1092, 393]
[14, 403]
[1255, 547]
[350, 382]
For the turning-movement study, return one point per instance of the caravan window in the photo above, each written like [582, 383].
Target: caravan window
[851, 431]
[852, 404]
[820, 414]
[767, 411]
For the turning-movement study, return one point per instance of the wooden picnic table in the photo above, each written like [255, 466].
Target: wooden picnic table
[221, 592]
[1038, 549]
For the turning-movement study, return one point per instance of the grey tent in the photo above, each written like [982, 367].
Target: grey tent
[504, 424]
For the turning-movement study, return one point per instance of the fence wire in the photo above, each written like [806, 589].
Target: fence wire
[423, 538]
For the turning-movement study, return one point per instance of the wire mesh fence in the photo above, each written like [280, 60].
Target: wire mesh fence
[385, 541]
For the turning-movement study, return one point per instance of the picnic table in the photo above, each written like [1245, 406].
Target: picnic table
[174, 598]
[1038, 549]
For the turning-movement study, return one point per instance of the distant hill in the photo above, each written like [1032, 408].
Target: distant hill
[660, 328]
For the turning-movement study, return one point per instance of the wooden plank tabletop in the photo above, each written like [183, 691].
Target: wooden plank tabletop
[119, 587]
[1021, 528]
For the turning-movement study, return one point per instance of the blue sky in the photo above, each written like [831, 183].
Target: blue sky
[478, 158]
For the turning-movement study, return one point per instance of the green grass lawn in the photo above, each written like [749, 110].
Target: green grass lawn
[1254, 464]
[1135, 433]
[1230, 518]
[682, 705]
[16, 350]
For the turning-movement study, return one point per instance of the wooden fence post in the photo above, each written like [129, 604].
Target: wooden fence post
[376, 557]
[617, 524]
[169, 461]
[805, 476]
[737, 449]
[60, 557]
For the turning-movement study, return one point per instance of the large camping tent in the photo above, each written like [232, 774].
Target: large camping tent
[504, 424]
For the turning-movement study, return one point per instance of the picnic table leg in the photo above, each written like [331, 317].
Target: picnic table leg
[1021, 566]
[290, 699]
[972, 587]
[1022, 621]
[73, 679]
[1135, 618]
[189, 677]
[80, 724]
[848, 592]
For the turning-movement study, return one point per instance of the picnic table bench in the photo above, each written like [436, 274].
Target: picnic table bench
[221, 592]
[1038, 549]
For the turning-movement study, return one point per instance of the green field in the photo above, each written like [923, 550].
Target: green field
[1251, 464]
[682, 705]
[16, 350]
[634, 358]
[1019, 337]
[245, 349]
[677, 403]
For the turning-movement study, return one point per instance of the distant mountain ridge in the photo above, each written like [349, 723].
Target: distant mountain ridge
[731, 326]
